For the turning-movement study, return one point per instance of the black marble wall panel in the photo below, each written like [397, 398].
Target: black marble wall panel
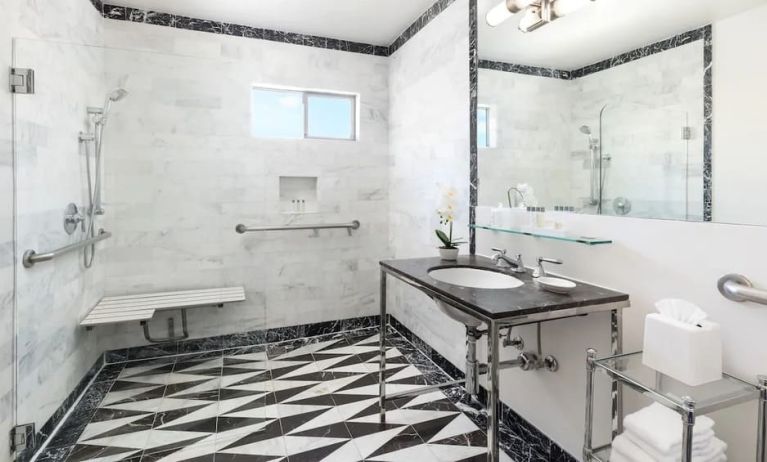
[473, 101]
[527, 70]
[438, 7]
[708, 110]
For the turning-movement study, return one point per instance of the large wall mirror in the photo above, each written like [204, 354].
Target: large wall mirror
[639, 108]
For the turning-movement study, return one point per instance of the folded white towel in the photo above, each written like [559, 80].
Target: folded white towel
[661, 428]
[704, 447]
[624, 450]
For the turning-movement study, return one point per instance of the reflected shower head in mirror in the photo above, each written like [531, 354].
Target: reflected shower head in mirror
[115, 95]
[585, 130]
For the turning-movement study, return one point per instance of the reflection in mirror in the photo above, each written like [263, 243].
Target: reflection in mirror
[640, 108]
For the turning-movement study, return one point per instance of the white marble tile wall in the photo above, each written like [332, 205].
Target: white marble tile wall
[182, 170]
[53, 355]
[429, 146]
[648, 102]
[532, 129]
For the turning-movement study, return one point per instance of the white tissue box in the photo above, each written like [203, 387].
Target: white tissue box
[689, 353]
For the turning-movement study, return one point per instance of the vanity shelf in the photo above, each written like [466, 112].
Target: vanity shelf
[628, 370]
[547, 235]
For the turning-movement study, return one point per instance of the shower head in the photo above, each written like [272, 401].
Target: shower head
[585, 130]
[113, 96]
[117, 94]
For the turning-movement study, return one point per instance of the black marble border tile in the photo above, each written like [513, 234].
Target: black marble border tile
[238, 340]
[438, 7]
[708, 111]
[526, 70]
[474, 64]
[521, 439]
[121, 13]
[58, 415]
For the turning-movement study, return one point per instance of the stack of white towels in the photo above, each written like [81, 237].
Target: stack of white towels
[654, 434]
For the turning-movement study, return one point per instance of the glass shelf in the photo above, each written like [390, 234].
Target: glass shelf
[709, 397]
[545, 234]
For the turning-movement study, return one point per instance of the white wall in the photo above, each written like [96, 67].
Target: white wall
[429, 149]
[53, 354]
[182, 170]
[740, 97]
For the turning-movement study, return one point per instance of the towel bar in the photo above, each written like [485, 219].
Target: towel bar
[242, 229]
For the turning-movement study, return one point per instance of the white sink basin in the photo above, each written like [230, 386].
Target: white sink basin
[475, 278]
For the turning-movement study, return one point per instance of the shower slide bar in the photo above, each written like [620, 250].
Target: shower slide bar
[739, 288]
[31, 257]
[242, 229]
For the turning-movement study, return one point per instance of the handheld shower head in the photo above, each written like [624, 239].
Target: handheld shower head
[117, 94]
[585, 130]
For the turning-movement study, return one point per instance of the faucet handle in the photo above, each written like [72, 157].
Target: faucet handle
[540, 271]
[501, 251]
[556, 261]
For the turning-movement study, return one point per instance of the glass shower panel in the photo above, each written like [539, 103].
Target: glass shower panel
[650, 167]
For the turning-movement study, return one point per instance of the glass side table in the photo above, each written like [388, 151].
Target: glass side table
[689, 402]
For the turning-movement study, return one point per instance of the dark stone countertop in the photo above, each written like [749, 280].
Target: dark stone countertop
[501, 303]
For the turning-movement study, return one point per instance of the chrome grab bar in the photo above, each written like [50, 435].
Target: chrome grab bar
[242, 229]
[738, 288]
[31, 257]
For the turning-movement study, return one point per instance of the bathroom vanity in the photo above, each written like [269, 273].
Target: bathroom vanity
[488, 310]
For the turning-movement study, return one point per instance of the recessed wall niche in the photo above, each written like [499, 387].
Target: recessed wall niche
[298, 194]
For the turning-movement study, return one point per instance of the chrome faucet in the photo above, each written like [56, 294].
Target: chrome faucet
[501, 260]
[540, 271]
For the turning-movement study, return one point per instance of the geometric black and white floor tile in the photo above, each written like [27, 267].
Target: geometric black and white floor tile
[293, 402]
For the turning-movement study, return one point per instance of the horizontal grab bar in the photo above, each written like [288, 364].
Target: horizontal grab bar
[738, 288]
[242, 229]
[31, 257]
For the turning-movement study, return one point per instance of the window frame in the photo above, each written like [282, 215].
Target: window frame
[353, 98]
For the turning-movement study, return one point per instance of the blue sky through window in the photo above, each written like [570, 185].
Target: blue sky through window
[277, 113]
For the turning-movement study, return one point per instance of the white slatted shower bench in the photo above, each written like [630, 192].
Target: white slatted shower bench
[142, 308]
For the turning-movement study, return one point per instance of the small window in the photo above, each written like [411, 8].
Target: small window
[483, 127]
[295, 114]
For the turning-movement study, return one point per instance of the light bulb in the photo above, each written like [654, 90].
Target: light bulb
[564, 7]
[506, 9]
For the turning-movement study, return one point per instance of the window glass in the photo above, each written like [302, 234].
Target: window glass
[330, 116]
[277, 113]
[483, 128]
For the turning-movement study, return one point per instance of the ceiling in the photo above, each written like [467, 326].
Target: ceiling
[600, 30]
[367, 21]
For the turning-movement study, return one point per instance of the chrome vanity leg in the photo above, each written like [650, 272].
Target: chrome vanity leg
[493, 445]
[688, 422]
[761, 435]
[616, 336]
[591, 356]
[382, 352]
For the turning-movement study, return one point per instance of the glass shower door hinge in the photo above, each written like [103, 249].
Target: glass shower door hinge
[22, 81]
[22, 436]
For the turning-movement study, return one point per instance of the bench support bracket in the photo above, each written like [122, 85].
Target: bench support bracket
[172, 337]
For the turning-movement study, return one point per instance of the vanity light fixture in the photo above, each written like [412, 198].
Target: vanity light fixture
[535, 13]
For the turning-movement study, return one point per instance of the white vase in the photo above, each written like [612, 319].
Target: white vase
[448, 254]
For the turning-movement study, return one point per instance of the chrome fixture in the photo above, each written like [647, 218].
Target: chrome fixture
[72, 218]
[520, 195]
[516, 342]
[622, 206]
[739, 288]
[31, 257]
[501, 260]
[354, 225]
[535, 13]
[540, 271]
[594, 166]
[98, 122]
[22, 81]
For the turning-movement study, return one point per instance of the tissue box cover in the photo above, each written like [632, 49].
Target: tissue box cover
[691, 354]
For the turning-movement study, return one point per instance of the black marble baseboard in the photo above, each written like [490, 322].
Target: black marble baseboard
[244, 339]
[44, 432]
[523, 441]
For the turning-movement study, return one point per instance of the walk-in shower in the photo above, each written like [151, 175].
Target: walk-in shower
[98, 118]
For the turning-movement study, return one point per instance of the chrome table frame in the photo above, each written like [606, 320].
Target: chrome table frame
[494, 326]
